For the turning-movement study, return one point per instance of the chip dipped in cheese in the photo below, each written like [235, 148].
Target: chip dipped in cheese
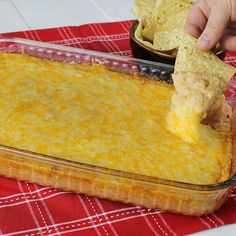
[94, 115]
[195, 94]
[200, 79]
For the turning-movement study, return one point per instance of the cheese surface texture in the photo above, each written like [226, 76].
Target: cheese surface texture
[97, 116]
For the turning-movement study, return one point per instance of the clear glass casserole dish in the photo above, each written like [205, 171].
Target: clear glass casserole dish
[190, 199]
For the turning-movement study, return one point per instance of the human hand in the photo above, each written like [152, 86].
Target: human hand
[212, 21]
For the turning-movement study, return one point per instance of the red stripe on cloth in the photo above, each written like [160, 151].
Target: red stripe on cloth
[29, 209]
[106, 37]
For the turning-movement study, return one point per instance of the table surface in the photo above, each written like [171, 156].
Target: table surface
[35, 14]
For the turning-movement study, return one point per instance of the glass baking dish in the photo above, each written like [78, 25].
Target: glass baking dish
[185, 198]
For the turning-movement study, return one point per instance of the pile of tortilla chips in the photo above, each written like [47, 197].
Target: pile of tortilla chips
[161, 23]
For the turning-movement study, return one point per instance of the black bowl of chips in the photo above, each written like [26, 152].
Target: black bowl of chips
[144, 50]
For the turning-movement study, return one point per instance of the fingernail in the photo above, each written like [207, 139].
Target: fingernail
[204, 42]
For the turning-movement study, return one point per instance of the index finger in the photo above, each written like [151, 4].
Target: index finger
[196, 21]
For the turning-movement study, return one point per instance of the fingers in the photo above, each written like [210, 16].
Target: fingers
[217, 22]
[196, 21]
[207, 21]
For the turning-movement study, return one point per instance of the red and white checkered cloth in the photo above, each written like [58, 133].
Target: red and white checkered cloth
[30, 209]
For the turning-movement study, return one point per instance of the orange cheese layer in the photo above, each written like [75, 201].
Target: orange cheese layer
[93, 115]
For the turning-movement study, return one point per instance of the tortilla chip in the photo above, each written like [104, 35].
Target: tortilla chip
[168, 40]
[177, 20]
[189, 1]
[163, 41]
[150, 29]
[143, 10]
[167, 15]
[191, 59]
[140, 38]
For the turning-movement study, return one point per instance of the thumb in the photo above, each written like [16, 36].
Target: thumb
[217, 22]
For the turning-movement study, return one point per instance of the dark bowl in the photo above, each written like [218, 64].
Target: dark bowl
[143, 52]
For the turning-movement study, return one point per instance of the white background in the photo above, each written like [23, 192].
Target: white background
[17, 15]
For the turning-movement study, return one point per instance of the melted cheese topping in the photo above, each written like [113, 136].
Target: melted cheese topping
[196, 96]
[93, 115]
